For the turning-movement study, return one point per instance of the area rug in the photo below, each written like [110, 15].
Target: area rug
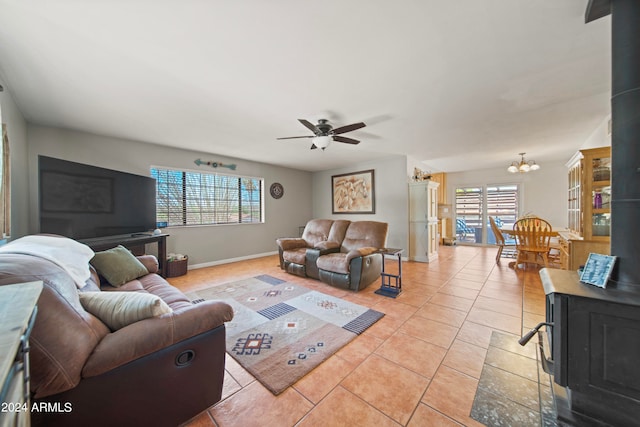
[281, 330]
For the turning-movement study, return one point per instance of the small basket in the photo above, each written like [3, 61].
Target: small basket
[177, 267]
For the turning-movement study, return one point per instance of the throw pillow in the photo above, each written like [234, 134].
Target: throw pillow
[119, 309]
[118, 265]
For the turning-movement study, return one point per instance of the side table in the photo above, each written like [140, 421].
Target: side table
[391, 283]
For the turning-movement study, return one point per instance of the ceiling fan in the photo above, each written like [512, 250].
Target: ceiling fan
[324, 133]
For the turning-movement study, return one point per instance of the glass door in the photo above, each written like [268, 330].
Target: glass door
[502, 205]
[469, 202]
[474, 205]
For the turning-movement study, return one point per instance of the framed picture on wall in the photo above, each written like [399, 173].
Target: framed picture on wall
[353, 193]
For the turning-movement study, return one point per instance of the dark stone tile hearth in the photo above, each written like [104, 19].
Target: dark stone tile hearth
[513, 389]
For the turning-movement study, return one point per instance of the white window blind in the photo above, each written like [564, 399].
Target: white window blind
[469, 206]
[502, 203]
[195, 198]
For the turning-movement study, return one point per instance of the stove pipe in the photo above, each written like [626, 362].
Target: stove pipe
[625, 142]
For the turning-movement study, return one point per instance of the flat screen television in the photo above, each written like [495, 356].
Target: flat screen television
[83, 201]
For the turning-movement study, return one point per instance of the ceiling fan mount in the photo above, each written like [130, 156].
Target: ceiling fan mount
[324, 133]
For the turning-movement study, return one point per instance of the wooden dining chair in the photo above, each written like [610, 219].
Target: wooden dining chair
[501, 242]
[533, 239]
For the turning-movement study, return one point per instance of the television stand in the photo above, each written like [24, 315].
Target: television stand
[135, 243]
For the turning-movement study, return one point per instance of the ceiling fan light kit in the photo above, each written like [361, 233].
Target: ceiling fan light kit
[324, 133]
[523, 166]
[321, 142]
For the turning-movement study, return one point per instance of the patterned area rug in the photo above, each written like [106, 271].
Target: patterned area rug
[281, 331]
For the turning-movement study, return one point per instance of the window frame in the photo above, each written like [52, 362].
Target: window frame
[215, 184]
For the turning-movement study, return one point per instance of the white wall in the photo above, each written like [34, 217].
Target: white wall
[391, 197]
[543, 192]
[17, 133]
[205, 245]
[600, 136]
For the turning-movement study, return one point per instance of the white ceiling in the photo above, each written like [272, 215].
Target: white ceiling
[464, 84]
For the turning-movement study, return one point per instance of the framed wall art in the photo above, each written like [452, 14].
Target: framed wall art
[353, 193]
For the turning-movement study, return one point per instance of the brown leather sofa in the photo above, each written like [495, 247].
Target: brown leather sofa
[159, 371]
[338, 252]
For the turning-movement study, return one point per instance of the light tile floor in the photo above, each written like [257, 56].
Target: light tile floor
[420, 365]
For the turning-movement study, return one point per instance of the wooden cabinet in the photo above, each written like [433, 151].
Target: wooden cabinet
[441, 178]
[596, 194]
[589, 206]
[423, 221]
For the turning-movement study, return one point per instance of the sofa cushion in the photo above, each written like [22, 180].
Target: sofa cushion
[338, 230]
[317, 230]
[335, 262]
[119, 309]
[365, 233]
[118, 265]
[297, 256]
[55, 365]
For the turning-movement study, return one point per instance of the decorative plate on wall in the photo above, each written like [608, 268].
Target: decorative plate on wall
[276, 190]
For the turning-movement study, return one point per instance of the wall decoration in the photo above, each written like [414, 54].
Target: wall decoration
[420, 175]
[276, 190]
[215, 164]
[353, 193]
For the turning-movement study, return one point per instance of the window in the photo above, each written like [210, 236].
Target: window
[474, 206]
[468, 213]
[195, 198]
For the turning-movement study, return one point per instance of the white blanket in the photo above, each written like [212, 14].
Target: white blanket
[73, 257]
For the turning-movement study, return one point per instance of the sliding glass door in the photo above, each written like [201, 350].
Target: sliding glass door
[475, 204]
[469, 204]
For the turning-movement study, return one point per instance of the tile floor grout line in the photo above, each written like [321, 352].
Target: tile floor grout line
[449, 270]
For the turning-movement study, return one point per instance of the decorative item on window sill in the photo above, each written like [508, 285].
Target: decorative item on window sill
[523, 165]
[215, 164]
[420, 175]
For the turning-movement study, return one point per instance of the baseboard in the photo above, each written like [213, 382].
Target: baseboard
[230, 260]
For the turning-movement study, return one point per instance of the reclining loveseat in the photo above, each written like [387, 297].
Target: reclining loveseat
[338, 252]
[161, 370]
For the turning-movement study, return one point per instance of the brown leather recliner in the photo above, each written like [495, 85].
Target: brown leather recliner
[293, 251]
[346, 257]
[159, 371]
[357, 264]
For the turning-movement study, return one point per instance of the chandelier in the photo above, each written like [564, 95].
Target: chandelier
[523, 165]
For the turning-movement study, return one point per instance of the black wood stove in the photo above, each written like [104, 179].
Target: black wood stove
[592, 344]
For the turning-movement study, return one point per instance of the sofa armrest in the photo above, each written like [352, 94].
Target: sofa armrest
[360, 252]
[288, 243]
[150, 335]
[149, 261]
[327, 245]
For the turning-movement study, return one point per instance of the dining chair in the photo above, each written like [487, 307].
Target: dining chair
[501, 242]
[462, 229]
[533, 239]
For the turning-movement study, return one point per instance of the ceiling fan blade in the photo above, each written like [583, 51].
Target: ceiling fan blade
[345, 139]
[295, 137]
[313, 146]
[348, 128]
[309, 126]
